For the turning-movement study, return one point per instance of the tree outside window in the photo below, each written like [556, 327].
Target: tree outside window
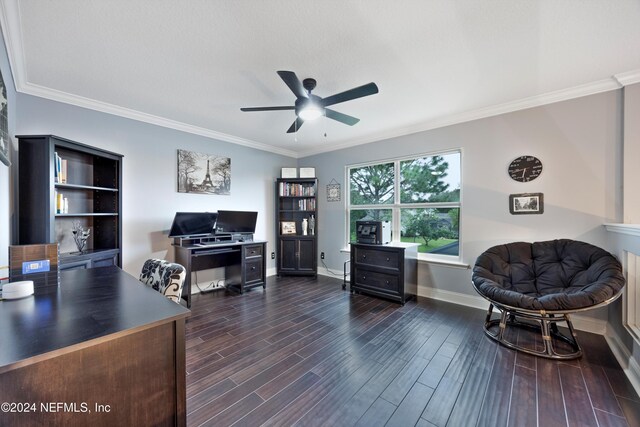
[426, 209]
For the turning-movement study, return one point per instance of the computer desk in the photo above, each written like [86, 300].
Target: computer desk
[245, 263]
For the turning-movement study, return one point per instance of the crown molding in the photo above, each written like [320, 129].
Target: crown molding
[11, 30]
[79, 101]
[593, 88]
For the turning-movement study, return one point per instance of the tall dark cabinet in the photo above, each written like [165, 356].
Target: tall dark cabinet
[296, 201]
[91, 185]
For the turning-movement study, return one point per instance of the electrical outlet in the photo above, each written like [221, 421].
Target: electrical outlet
[321, 255]
[273, 255]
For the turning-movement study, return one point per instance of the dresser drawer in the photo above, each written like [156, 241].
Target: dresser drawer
[378, 258]
[252, 251]
[253, 272]
[374, 280]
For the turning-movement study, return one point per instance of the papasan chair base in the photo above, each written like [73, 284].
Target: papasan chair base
[546, 325]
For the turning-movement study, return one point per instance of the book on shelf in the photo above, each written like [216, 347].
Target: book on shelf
[60, 169]
[307, 205]
[62, 204]
[296, 190]
[59, 203]
[63, 171]
[56, 167]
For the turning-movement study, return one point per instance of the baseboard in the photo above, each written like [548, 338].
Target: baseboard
[582, 323]
[474, 301]
[272, 271]
[588, 324]
[331, 273]
[624, 358]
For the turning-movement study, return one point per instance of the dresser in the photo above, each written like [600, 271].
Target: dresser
[389, 271]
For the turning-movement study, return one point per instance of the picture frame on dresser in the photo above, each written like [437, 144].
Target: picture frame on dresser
[288, 227]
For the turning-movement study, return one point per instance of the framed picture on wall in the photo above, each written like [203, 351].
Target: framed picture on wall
[203, 173]
[333, 191]
[526, 203]
[4, 125]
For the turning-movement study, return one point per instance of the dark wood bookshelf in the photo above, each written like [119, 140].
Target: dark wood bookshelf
[296, 200]
[93, 192]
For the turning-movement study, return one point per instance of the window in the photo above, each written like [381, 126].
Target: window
[420, 196]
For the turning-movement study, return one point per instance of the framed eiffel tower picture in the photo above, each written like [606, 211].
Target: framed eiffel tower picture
[203, 173]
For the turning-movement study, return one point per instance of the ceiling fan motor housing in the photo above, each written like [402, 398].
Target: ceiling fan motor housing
[309, 84]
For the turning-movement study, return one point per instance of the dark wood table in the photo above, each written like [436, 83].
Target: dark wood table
[100, 349]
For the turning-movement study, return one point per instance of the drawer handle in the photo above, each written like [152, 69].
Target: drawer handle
[364, 256]
[253, 252]
[387, 282]
[364, 278]
[388, 259]
[253, 268]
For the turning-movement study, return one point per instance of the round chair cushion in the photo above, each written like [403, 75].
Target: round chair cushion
[555, 275]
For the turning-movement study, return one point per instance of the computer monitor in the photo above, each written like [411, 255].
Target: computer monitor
[193, 224]
[236, 222]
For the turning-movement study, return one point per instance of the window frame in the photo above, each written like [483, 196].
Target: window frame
[396, 207]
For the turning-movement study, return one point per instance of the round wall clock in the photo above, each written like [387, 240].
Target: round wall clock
[525, 168]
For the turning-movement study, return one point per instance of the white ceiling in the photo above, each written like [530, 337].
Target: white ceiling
[191, 64]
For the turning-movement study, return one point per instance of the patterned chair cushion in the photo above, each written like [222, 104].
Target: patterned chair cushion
[165, 277]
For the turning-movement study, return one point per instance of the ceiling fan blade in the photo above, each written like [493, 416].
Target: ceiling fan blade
[296, 125]
[343, 118]
[348, 95]
[267, 108]
[294, 83]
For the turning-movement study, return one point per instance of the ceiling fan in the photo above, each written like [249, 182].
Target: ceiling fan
[310, 107]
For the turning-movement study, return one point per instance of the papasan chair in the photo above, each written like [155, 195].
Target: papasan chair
[536, 285]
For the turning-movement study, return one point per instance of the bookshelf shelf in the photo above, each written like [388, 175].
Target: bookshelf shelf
[86, 214]
[84, 187]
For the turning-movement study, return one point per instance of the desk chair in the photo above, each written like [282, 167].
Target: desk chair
[165, 277]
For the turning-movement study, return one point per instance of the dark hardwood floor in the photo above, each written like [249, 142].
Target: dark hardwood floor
[304, 352]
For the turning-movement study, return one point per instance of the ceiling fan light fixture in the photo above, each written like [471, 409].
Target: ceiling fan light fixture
[311, 111]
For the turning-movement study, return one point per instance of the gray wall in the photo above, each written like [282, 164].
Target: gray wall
[578, 142]
[5, 176]
[150, 197]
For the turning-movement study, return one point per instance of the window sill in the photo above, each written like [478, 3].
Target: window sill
[445, 263]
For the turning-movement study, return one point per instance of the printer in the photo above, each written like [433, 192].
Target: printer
[373, 232]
